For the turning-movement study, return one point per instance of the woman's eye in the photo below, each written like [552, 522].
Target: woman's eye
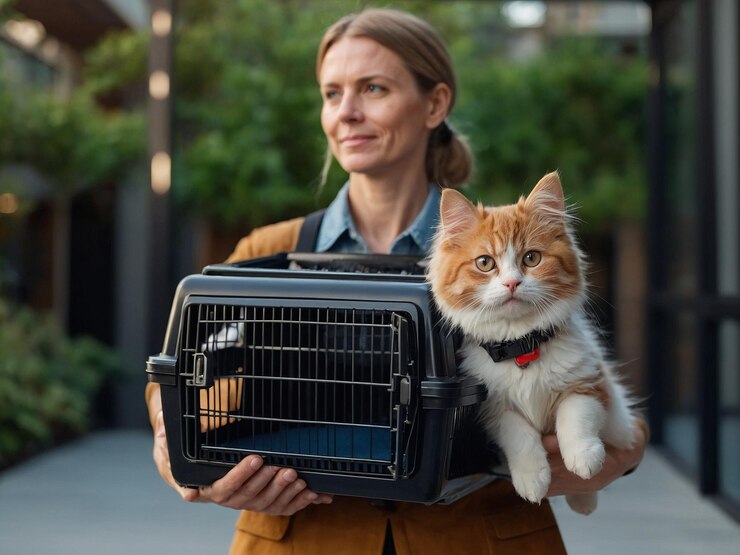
[330, 95]
[531, 259]
[374, 88]
[485, 263]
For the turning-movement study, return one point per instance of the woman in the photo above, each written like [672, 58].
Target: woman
[388, 86]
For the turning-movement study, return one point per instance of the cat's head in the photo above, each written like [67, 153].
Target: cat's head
[500, 272]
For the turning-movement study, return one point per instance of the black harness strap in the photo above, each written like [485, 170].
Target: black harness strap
[309, 232]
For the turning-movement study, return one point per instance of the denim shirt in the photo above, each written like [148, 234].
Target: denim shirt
[339, 234]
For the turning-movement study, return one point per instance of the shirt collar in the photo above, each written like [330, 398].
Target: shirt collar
[423, 227]
[338, 221]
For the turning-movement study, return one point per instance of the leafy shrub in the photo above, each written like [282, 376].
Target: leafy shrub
[47, 381]
[576, 108]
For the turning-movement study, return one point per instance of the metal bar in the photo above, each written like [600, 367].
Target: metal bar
[289, 321]
[316, 365]
[311, 350]
[288, 420]
[655, 329]
[161, 253]
[297, 455]
[251, 373]
[281, 358]
[707, 360]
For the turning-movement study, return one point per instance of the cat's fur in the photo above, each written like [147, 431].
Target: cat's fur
[571, 389]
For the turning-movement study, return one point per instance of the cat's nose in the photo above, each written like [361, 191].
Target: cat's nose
[512, 284]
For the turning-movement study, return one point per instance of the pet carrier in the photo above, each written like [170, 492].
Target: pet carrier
[336, 366]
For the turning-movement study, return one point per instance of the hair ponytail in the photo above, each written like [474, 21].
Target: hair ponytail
[449, 160]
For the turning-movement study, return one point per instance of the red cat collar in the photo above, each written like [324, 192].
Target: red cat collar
[523, 350]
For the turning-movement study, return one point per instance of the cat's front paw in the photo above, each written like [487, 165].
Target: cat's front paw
[531, 483]
[584, 459]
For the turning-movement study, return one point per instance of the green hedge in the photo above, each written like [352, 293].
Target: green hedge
[47, 382]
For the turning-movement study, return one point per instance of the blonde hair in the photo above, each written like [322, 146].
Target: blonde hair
[449, 161]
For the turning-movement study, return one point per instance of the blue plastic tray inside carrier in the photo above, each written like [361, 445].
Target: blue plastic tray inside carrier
[347, 442]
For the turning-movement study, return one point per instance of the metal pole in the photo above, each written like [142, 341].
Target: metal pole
[707, 360]
[160, 157]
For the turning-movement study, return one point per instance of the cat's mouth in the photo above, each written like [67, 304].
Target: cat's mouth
[513, 299]
[515, 304]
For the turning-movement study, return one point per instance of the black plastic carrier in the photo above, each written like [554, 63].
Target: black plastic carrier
[335, 365]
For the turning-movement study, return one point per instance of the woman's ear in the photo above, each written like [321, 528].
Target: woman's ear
[439, 104]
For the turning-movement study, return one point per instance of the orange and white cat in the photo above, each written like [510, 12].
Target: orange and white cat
[511, 278]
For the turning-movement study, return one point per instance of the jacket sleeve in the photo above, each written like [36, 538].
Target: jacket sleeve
[267, 240]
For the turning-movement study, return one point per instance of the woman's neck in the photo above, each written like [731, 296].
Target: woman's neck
[382, 209]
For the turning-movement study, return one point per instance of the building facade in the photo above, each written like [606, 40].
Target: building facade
[693, 325]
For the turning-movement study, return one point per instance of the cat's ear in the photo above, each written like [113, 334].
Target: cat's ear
[547, 196]
[457, 213]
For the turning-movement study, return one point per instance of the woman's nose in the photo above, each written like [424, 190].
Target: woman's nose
[349, 109]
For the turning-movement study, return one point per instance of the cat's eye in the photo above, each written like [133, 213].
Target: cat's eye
[485, 263]
[531, 259]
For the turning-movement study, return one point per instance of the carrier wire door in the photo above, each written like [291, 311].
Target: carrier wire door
[309, 387]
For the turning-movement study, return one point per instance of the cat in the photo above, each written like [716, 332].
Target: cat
[511, 278]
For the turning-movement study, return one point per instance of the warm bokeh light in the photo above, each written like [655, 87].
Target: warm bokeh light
[159, 85]
[8, 203]
[525, 13]
[28, 32]
[161, 23]
[161, 173]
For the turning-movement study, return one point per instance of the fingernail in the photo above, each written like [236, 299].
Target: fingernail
[311, 496]
[256, 463]
[290, 475]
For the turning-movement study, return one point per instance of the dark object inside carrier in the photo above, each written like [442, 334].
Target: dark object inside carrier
[335, 365]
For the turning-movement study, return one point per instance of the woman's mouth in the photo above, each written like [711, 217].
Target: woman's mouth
[356, 140]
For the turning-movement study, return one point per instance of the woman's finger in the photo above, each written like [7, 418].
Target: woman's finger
[301, 501]
[286, 496]
[280, 483]
[247, 478]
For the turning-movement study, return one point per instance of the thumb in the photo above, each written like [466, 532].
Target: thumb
[550, 443]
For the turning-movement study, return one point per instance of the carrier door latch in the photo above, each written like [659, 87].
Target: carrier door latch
[404, 391]
[200, 371]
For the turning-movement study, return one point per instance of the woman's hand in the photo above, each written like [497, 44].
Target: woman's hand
[616, 464]
[249, 485]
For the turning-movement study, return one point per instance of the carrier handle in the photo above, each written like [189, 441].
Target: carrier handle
[161, 369]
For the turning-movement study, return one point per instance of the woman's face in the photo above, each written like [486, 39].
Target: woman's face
[375, 117]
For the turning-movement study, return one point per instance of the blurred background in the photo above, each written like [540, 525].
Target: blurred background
[140, 139]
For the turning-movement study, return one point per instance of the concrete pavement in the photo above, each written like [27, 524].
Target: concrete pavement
[102, 495]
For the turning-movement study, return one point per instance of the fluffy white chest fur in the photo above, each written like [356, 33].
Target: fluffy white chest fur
[571, 391]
